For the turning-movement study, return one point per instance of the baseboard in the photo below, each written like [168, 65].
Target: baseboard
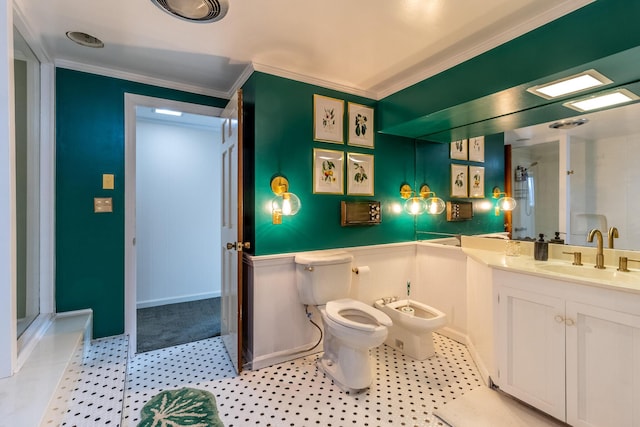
[453, 334]
[32, 336]
[464, 339]
[176, 300]
[484, 372]
[282, 356]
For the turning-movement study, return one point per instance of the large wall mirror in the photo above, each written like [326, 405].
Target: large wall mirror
[596, 160]
[27, 158]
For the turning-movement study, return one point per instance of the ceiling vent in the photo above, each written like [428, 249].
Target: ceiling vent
[568, 124]
[84, 39]
[202, 11]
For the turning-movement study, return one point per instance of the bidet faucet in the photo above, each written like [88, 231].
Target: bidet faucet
[599, 254]
[613, 232]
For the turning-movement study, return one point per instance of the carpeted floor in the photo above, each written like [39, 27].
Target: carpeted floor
[174, 324]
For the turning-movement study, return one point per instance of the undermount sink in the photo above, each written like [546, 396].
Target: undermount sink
[610, 274]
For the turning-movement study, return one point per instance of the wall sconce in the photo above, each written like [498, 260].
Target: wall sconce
[424, 201]
[285, 203]
[505, 203]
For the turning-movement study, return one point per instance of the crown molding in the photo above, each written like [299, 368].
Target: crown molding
[21, 22]
[383, 90]
[263, 68]
[139, 78]
[529, 25]
[244, 76]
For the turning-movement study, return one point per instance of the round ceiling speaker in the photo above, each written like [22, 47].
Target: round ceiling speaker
[195, 10]
[84, 39]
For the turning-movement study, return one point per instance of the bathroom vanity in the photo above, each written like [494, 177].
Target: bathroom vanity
[562, 338]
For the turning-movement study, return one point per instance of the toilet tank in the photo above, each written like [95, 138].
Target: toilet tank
[323, 276]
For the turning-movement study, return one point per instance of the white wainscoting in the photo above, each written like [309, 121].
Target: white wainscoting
[278, 329]
[442, 277]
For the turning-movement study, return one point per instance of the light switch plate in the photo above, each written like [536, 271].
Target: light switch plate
[102, 204]
[108, 181]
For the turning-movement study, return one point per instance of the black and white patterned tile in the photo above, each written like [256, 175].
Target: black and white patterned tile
[91, 391]
[405, 392]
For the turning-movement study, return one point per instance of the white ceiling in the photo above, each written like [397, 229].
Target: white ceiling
[613, 123]
[366, 47]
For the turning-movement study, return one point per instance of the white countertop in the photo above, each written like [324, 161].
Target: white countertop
[558, 269]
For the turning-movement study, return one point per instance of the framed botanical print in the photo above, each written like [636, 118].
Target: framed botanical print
[360, 125]
[459, 150]
[476, 149]
[328, 116]
[328, 167]
[459, 181]
[360, 174]
[476, 181]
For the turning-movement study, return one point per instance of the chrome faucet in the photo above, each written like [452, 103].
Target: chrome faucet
[613, 232]
[599, 253]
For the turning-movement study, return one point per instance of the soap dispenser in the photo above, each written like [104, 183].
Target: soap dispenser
[540, 249]
[557, 239]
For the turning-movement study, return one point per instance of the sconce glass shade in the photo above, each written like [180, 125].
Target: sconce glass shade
[286, 203]
[435, 205]
[504, 203]
[415, 206]
[507, 203]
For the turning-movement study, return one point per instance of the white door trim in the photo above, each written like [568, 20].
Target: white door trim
[131, 101]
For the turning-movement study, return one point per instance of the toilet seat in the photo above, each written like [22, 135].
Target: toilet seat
[335, 310]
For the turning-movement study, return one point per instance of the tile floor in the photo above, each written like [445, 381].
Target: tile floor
[405, 392]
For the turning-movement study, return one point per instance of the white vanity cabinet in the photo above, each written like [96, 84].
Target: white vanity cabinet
[570, 350]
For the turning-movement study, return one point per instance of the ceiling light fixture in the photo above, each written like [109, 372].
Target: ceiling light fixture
[84, 39]
[602, 100]
[202, 11]
[167, 112]
[570, 85]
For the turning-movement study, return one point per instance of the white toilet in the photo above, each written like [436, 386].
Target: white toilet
[351, 327]
[413, 324]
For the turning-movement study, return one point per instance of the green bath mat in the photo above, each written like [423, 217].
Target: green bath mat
[183, 407]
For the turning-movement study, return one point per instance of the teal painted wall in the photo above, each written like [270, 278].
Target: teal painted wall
[433, 167]
[283, 144]
[280, 112]
[90, 142]
[598, 30]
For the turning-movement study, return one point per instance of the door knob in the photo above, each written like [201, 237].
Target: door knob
[239, 246]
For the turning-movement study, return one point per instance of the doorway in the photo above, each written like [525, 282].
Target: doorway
[172, 194]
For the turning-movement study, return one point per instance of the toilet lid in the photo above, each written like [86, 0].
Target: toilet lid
[334, 309]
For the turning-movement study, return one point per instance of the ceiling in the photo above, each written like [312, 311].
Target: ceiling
[612, 123]
[366, 47]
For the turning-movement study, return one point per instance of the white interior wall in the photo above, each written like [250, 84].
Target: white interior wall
[606, 187]
[442, 276]
[276, 321]
[177, 213]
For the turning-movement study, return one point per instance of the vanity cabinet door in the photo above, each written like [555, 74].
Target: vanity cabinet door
[531, 349]
[603, 367]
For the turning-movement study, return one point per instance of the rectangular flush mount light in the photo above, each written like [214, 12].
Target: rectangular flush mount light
[603, 100]
[570, 85]
[167, 112]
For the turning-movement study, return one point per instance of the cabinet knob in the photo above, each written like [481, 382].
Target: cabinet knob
[570, 322]
[559, 318]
